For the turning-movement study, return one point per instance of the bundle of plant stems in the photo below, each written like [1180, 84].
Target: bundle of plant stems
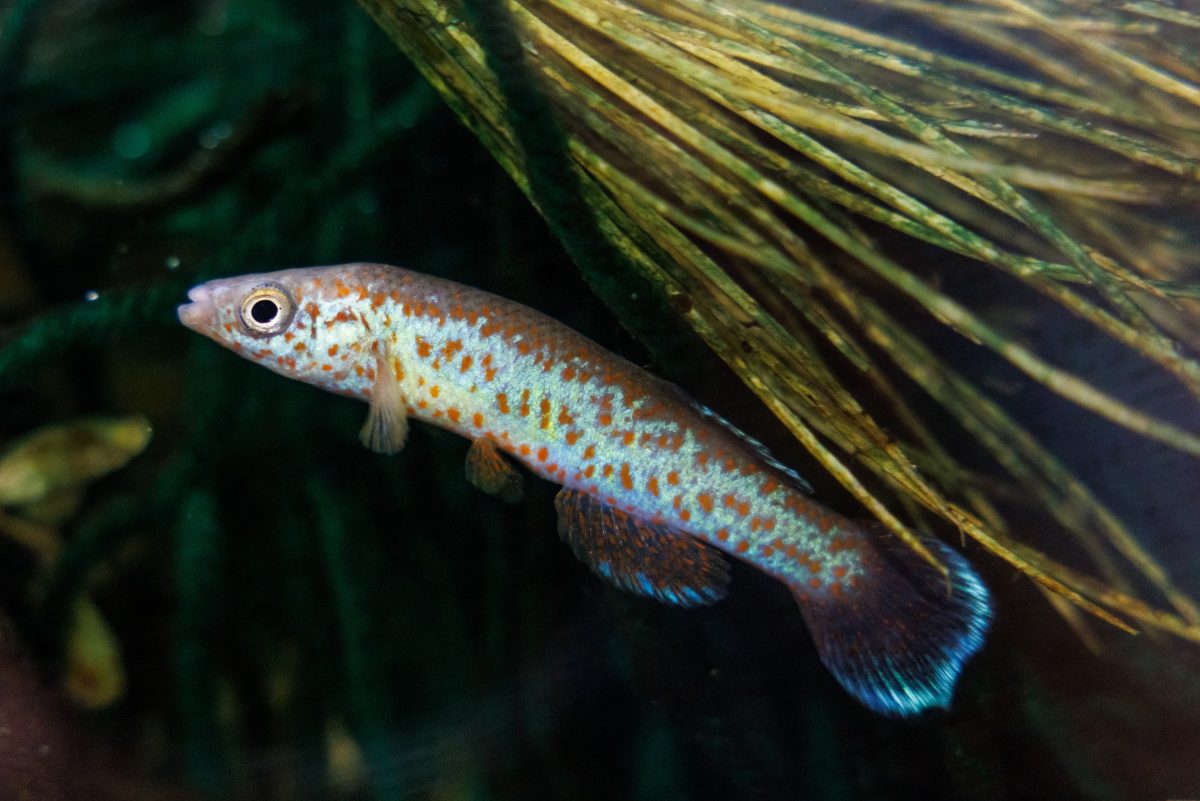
[736, 154]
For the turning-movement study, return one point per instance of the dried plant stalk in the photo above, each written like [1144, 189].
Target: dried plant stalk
[715, 145]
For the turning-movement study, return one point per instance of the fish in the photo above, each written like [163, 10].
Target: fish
[658, 492]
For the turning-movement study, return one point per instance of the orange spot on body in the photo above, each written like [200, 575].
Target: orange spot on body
[706, 502]
[466, 364]
[607, 471]
[743, 509]
[524, 450]
[477, 419]
[502, 402]
[626, 478]
[453, 414]
[673, 477]
[589, 452]
[652, 485]
[434, 391]
[742, 547]
[572, 437]
[590, 470]
[685, 515]
[424, 349]
[723, 534]
[543, 453]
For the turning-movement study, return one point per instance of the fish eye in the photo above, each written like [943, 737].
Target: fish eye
[266, 310]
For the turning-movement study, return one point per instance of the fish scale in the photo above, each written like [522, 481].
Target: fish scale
[651, 480]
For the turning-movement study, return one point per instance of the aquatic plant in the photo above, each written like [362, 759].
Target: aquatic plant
[299, 618]
[743, 159]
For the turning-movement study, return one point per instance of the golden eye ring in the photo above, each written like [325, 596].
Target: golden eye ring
[266, 310]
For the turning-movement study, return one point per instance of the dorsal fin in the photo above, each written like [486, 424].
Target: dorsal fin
[765, 454]
[489, 471]
[649, 559]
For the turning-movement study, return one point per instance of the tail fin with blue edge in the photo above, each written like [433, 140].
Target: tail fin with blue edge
[899, 641]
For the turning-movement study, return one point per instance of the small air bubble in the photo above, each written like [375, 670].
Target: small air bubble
[173, 262]
[633, 295]
[91, 295]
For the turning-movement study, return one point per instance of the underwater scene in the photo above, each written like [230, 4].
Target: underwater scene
[630, 400]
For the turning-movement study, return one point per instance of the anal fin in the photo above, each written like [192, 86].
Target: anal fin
[649, 559]
[488, 470]
[386, 427]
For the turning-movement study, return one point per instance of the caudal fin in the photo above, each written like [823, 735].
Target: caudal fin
[898, 640]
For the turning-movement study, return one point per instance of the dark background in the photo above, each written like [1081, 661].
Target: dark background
[271, 582]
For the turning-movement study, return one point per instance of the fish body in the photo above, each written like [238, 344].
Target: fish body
[654, 485]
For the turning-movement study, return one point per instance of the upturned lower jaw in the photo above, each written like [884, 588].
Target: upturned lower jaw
[197, 313]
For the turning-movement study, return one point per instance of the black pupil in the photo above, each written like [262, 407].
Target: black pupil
[264, 311]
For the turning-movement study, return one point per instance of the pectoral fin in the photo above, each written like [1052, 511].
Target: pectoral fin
[488, 470]
[386, 427]
[653, 560]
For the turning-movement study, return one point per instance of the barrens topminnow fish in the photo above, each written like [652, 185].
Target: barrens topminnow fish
[655, 487]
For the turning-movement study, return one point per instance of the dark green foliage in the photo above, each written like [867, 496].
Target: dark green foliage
[271, 582]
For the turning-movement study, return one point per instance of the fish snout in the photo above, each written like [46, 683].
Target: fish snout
[199, 313]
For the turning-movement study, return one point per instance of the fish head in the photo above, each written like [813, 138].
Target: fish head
[246, 311]
[286, 321]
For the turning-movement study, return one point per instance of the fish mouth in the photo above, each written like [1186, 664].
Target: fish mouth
[199, 312]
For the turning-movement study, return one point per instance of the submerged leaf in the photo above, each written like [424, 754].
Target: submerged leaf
[65, 456]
